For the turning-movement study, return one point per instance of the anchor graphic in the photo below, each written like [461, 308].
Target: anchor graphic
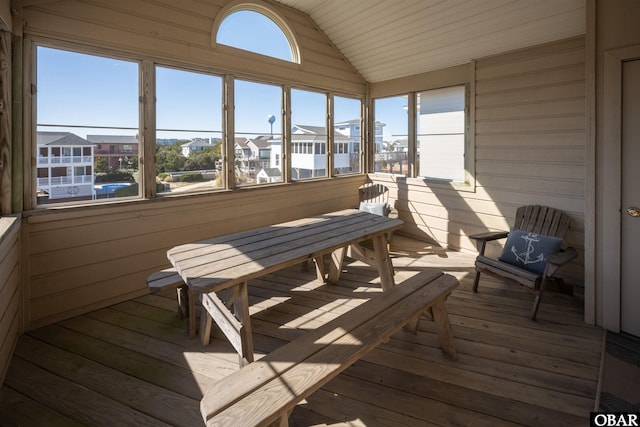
[523, 257]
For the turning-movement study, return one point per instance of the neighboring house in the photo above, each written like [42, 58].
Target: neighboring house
[392, 157]
[269, 175]
[309, 151]
[197, 145]
[64, 167]
[252, 154]
[119, 151]
[350, 129]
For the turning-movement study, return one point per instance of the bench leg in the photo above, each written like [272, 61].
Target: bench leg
[241, 312]
[445, 336]
[413, 324]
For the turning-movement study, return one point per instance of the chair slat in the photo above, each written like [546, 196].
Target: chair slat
[374, 193]
[542, 220]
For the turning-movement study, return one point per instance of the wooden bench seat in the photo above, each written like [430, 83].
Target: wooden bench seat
[266, 391]
[170, 279]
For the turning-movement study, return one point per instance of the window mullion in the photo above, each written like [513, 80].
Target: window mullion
[412, 142]
[286, 134]
[330, 137]
[228, 129]
[147, 161]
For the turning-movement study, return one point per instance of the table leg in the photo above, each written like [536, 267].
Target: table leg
[337, 258]
[319, 262]
[383, 261]
[191, 325]
[241, 312]
[205, 325]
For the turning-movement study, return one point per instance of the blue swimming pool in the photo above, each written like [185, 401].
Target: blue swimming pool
[110, 188]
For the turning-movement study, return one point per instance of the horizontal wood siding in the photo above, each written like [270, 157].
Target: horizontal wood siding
[529, 149]
[181, 33]
[10, 290]
[83, 259]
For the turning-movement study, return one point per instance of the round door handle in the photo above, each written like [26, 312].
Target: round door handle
[633, 211]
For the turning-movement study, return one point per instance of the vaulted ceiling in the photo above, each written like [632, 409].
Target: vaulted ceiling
[387, 39]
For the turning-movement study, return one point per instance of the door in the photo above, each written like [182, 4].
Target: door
[630, 198]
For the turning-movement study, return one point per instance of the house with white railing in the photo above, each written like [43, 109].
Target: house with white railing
[64, 167]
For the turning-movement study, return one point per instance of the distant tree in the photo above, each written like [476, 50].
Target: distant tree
[217, 149]
[169, 158]
[132, 163]
[101, 165]
[205, 159]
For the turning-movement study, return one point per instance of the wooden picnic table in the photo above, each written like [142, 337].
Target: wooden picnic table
[228, 262]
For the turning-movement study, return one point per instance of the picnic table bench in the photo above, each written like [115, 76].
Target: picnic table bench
[266, 391]
[226, 263]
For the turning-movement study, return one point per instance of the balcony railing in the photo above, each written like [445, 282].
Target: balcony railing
[65, 180]
[67, 160]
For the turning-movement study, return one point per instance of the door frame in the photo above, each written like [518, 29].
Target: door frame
[611, 186]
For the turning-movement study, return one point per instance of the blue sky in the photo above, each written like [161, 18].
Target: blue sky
[258, 34]
[86, 90]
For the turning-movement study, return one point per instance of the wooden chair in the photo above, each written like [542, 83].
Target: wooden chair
[371, 194]
[540, 220]
[374, 193]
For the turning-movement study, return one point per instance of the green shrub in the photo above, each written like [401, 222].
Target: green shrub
[191, 177]
[131, 190]
[115, 176]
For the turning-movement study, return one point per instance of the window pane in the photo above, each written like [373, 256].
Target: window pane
[391, 135]
[441, 133]
[308, 134]
[347, 114]
[189, 131]
[258, 133]
[255, 32]
[87, 127]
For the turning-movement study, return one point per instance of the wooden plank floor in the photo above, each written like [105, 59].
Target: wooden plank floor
[133, 364]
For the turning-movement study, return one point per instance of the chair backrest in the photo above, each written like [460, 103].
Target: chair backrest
[373, 193]
[542, 220]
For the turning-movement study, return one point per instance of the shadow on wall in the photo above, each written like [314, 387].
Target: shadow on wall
[438, 214]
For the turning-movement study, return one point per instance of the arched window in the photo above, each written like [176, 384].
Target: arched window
[256, 29]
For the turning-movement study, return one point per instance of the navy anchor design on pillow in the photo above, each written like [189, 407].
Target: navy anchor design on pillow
[529, 250]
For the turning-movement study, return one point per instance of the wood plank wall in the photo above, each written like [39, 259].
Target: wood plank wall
[529, 149]
[81, 259]
[10, 290]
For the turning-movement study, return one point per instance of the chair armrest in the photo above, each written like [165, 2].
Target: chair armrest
[491, 235]
[562, 257]
[482, 239]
